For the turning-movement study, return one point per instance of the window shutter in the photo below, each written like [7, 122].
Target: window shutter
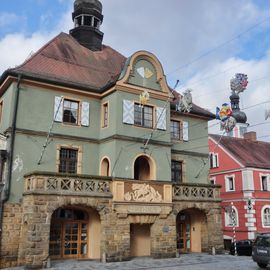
[161, 118]
[58, 109]
[185, 131]
[128, 112]
[227, 184]
[268, 183]
[217, 161]
[85, 114]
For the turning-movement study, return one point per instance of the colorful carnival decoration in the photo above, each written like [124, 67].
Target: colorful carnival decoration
[185, 102]
[144, 97]
[224, 114]
[239, 83]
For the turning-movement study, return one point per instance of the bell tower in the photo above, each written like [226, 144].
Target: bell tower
[87, 18]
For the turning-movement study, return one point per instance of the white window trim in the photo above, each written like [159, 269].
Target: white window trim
[213, 179]
[262, 216]
[212, 154]
[228, 219]
[227, 189]
[267, 181]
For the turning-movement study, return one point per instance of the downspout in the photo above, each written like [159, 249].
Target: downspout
[12, 141]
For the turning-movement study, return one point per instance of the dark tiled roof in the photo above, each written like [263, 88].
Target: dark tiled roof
[250, 153]
[197, 110]
[65, 61]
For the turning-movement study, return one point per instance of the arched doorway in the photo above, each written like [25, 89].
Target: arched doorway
[144, 168]
[74, 233]
[191, 231]
[105, 167]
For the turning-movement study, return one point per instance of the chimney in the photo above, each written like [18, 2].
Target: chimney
[251, 135]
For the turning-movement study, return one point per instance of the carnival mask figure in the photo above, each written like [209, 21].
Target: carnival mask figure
[239, 83]
[224, 114]
[185, 102]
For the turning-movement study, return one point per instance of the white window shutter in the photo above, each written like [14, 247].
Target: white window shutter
[185, 131]
[161, 118]
[58, 109]
[85, 109]
[128, 112]
[268, 183]
[227, 184]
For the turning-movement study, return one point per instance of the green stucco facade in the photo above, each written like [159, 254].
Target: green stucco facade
[119, 142]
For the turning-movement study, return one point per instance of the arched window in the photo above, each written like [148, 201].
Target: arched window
[266, 216]
[231, 217]
[105, 167]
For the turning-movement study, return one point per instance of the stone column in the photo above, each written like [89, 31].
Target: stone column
[115, 242]
[215, 233]
[34, 244]
[163, 237]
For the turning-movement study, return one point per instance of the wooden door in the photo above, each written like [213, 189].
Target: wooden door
[183, 234]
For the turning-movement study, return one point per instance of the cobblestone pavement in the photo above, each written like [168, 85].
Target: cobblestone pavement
[187, 262]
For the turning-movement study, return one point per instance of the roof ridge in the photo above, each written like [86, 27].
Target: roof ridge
[239, 139]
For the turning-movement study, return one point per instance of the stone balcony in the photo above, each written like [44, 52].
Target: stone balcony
[196, 192]
[66, 184]
[122, 191]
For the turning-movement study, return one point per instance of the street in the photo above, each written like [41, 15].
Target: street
[186, 261]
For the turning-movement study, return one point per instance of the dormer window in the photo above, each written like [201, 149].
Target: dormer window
[87, 20]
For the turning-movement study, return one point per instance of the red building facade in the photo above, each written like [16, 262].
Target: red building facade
[242, 167]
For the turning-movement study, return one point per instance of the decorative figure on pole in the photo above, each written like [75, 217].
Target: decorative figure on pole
[225, 115]
[239, 83]
[185, 102]
[144, 97]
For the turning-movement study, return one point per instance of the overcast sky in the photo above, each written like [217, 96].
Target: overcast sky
[202, 43]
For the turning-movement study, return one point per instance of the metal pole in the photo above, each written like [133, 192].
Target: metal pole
[234, 233]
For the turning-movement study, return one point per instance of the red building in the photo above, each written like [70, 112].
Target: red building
[242, 167]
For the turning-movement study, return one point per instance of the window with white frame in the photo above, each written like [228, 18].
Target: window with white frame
[231, 217]
[213, 181]
[213, 160]
[229, 183]
[266, 216]
[144, 116]
[70, 111]
[264, 182]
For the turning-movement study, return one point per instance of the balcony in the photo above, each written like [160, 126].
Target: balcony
[198, 192]
[61, 184]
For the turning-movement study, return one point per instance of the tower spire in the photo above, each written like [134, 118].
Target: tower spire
[87, 17]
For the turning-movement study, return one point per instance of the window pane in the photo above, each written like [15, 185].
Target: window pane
[143, 116]
[137, 115]
[176, 171]
[68, 160]
[175, 130]
[70, 111]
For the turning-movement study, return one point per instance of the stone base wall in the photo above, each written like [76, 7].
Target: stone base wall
[11, 233]
[26, 228]
[211, 226]
[163, 235]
